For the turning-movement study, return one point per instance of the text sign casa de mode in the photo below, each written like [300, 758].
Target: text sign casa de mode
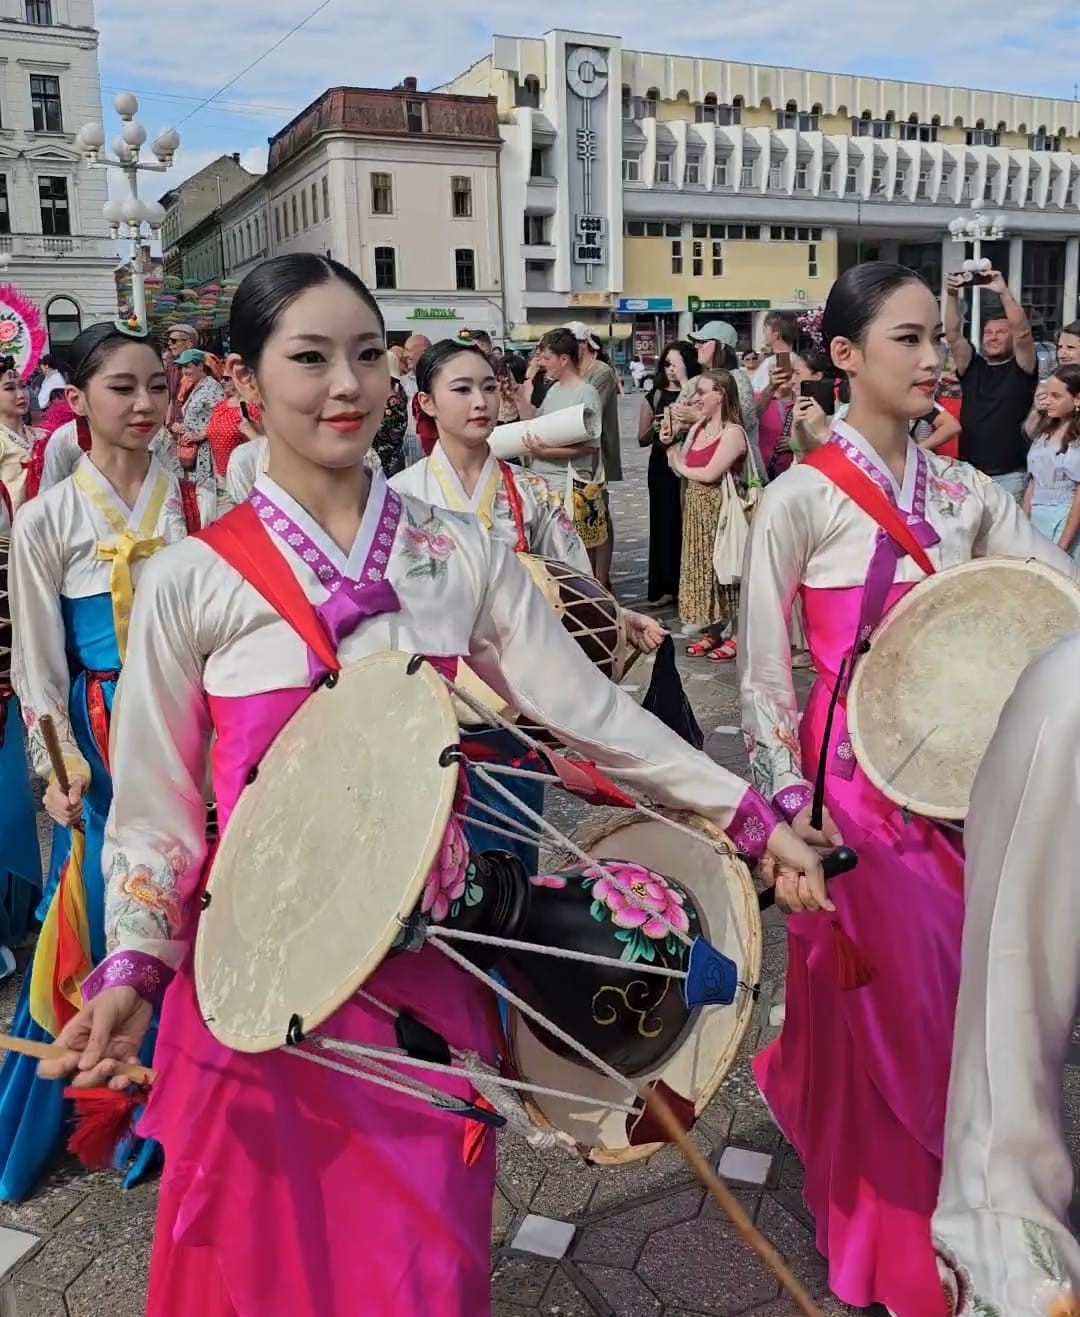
[590, 247]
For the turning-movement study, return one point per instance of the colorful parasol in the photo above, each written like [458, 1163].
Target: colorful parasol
[22, 334]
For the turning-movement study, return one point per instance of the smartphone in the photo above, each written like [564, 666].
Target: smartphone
[823, 393]
[783, 360]
[980, 279]
[244, 411]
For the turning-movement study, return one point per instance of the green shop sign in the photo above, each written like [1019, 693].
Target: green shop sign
[433, 313]
[713, 304]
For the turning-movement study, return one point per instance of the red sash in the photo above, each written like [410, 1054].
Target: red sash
[241, 539]
[513, 497]
[857, 485]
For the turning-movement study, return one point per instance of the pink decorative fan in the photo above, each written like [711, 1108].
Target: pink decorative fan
[22, 334]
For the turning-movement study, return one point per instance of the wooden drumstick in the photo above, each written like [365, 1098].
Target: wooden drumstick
[138, 1074]
[56, 755]
[727, 1202]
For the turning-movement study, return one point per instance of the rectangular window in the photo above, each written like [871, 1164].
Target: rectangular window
[382, 194]
[631, 169]
[535, 230]
[465, 269]
[802, 177]
[1030, 187]
[314, 204]
[326, 196]
[676, 257]
[538, 167]
[385, 267]
[45, 101]
[811, 261]
[698, 260]
[717, 259]
[747, 176]
[414, 116]
[853, 178]
[663, 169]
[285, 216]
[693, 171]
[672, 230]
[303, 209]
[5, 207]
[720, 174]
[988, 190]
[295, 215]
[923, 190]
[826, 178]
[461, 196]
[776, 177]
[635, 228]
[39, 12]
[53, 202]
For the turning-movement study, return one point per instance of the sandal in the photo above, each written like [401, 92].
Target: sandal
[724, 653]
[699, 648]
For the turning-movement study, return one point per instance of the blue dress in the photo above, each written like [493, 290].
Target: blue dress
[20, 854]
[33, 1111]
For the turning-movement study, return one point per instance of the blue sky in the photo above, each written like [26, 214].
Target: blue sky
[172, 64]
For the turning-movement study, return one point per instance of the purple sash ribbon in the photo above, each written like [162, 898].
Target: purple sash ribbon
[350, 601]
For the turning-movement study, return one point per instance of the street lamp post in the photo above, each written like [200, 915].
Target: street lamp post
[978, 229]
[132, 218]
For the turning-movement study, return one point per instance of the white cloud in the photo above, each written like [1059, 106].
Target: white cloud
[1020, 45]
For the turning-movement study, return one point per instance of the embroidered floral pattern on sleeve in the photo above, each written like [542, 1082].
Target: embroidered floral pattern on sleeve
[74, 759]
[792, 801]
[752, 825]
[947, 489]
[425, 543]
[1053, 1295]
[143, 904]
[130, 969]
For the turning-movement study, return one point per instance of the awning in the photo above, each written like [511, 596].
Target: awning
[526, 334]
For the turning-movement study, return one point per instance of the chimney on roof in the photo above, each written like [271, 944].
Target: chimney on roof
[409, 84]
[236, 156]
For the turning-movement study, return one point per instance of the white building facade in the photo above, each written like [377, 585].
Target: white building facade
[685, 187]
[51, 223]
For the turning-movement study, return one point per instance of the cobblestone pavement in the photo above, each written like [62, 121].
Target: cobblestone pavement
[644, 1240]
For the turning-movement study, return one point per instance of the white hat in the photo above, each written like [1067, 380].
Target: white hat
[583, 334]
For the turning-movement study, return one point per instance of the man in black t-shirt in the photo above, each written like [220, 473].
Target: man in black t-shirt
[997, 388]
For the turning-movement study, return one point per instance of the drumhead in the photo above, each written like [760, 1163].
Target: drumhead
[722, 888]
[326, 848]
[925, 699]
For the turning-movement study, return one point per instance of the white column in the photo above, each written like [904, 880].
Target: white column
[1016, 267]
[1072, 280]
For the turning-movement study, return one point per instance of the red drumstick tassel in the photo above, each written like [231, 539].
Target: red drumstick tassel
[103, 1119]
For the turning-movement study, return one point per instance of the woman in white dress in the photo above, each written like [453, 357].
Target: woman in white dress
[17, 439]
[77, 551]
[209, 654]
[457, 387]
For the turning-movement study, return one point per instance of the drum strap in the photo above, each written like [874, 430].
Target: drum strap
[241, 539]
[847, 477]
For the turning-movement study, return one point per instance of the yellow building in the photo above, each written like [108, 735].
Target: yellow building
[649, 192]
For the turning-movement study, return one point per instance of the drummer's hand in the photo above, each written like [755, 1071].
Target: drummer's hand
[794, 869]
[645, 634]
[827, 836]
[65, 809]
[106, 1033]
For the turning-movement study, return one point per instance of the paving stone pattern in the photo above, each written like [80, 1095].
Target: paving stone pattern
[647, 1241]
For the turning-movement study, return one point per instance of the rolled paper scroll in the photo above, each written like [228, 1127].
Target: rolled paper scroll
[571, 425]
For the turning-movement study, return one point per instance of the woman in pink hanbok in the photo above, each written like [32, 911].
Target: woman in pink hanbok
[290, 1189]
[857, 1080]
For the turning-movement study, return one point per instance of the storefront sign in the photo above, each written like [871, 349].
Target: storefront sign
[713, 304]
[590, 252]
[632, 305]
[433, 313]
[590, 228]
[588, 299]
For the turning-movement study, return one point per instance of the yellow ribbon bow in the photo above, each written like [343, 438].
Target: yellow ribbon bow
[124, 551]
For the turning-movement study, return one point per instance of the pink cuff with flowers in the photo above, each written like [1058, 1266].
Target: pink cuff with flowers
[130, 969]
[752, 825]
[792, 801]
